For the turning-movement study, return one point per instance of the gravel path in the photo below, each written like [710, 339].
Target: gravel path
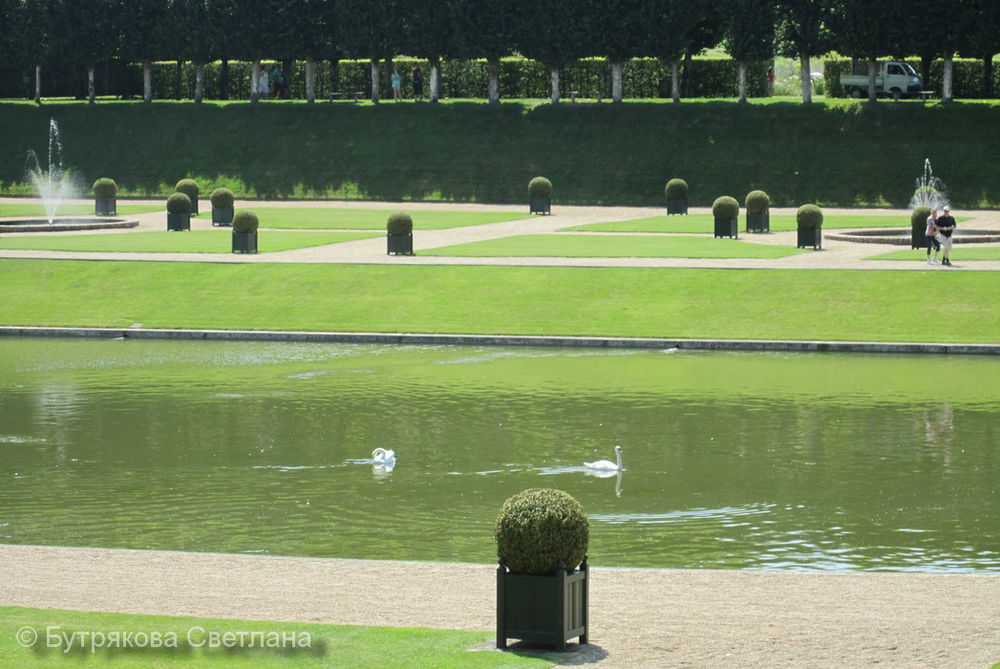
[638, 617]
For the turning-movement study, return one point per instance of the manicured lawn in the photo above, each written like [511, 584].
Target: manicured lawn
[162, 241]
[199, 642]
[630, 302]
[958, 253]
[33, 209]
[704, 222]
[613, 246]
[334, 218]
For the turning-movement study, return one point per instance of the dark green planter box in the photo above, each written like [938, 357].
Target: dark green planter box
[399, 244]
[758, 221]
[918, 238]
[677, 206]
[105, 206]
[178, 222]
[727, 227]
[244, 242]
[541, 205]
[546, 609]
[222, 215]
[194, 206]
[810, 237]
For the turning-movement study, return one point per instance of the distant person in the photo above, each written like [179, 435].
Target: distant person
[278, 83]
[931, 234]
[770, 81]
[263, 89]
[418, 83]
[946, 226]
[397, 86]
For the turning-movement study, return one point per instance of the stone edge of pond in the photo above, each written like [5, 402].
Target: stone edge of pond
[508, 340]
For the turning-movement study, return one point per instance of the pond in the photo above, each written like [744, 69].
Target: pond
[733, 460]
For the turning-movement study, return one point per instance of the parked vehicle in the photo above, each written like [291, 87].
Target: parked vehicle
[893, 78]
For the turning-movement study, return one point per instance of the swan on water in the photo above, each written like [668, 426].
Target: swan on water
[384, 458]
[607, 464]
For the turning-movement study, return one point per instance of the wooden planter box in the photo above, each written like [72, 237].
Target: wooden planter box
[399, 244]
[918, 240]
[810, 237]
[222, 215]
[178, 222]
[677, 206]
[547, 609]
[244, 242]
[105, 206]
[727, 227]
[541, 205]
[759, 221]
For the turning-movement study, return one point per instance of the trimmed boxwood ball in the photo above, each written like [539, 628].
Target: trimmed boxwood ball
[399, 223]
[676, 189]
[809, 216]
[540, 187]
[539, 528]
[179, 203]
[105, 187]
[245, 221]
[918, 218]
[726, 207]
[222, 198]
[189, 187]
[757, 201]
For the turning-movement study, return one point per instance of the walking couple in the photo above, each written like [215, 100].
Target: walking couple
[938, 233]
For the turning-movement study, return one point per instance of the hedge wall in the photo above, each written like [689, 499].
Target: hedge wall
[967, 77]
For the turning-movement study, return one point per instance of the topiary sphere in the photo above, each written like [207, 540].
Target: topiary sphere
[757, 201]
[399, 223]
[189, 187]
[539, 528]
[222, 198]
[918, 218]
[726, 207]
[540, 187]
[245, 221]
[809, 216]
[179, 203]
[105, 187]
[676, 189]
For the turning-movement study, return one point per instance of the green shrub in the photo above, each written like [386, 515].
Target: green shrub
[809, 216]
[918, 218]
[222, 198]
[399, 223]
[179, 203]
[726, 207]
[189, 187]
[245, 220]
[676, 189]
[757, 201]
[540, 187]
[105, 187]
[539, 528]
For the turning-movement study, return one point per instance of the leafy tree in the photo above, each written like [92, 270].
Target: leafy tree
[707, 32]
[983, 41]
[429, 32]
[804, 31]
[935, 28]
[673, 27]
[304, 30]
[146, 36]
[860, 30]
[370, 29]
[488, 29]
[555, 33]
[749, 34]
[620, 37]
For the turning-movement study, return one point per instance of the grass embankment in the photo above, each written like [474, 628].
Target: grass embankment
[25, 634]
[844, 153]
[629, 302]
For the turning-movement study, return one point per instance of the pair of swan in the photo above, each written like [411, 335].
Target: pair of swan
[607, 465]
[383, 458]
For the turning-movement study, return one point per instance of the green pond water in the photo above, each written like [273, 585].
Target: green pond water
[733, 460]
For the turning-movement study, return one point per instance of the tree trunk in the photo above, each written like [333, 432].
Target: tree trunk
[872, 75]
[254, 79]
[807, 92]
[925, 69]
[493, 86]
[179, 79]
[947, 94]
[90, 84]
[287, 70]
[686, 82]
[375, 80]
[554, 84]
[335, 75]
[310, 80]
[147, 81]
[224, 80]
[742, 85]
[38, 84]
[675, 81]
[988, 77]
[199, 82]
[617, 72]
[435, 78]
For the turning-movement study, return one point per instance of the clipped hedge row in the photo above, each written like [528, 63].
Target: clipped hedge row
[967, 77]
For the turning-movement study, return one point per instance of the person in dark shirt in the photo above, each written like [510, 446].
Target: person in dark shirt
[946, 226]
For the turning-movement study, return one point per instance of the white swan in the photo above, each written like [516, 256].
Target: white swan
[384, 459]
[607, 465]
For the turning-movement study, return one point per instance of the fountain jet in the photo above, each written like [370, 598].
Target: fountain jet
[929, 191]
[53, 183]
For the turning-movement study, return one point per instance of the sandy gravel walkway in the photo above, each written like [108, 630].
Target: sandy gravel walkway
[639, 617]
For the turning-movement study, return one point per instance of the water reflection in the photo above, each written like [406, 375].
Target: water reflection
[734, 460]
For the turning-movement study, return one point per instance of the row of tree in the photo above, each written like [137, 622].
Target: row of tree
[82, 33]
